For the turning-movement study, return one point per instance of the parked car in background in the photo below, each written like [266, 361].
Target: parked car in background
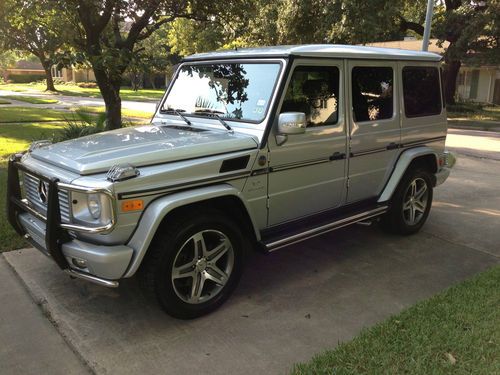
[249, 149]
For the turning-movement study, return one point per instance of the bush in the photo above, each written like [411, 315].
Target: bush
[82, 124]
[87, 85]
[466, 107]
[26, 78]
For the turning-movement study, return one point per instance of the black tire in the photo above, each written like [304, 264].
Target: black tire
[397, 220]
[156, 272]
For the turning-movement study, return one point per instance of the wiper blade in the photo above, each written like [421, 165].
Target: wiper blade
[208, 110]
[215, 115]
[176, 112]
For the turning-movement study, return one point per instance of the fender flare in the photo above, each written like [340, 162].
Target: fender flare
[404, 161]
[157, 210]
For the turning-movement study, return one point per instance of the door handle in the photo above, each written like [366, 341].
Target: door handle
[392, 146]
[337, 156]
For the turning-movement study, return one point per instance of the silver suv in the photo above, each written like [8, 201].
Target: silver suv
[248, 149]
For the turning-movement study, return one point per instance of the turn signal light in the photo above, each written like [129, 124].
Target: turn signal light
[132, 205]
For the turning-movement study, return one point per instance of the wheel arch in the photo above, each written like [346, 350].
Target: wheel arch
[223, 197]
[424, 157]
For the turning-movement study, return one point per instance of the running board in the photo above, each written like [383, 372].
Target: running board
[277, 243]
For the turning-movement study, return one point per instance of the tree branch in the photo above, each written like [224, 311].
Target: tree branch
[408, 25]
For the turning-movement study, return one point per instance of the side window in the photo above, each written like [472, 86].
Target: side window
[422, 96]
[314, 90]
[372, 93]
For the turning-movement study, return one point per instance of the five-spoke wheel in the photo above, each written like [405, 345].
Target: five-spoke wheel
[202, 266]
[410, 204]
[194, 262]
[415, 202]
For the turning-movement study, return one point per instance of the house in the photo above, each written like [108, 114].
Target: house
[31, 70]
[475, 83]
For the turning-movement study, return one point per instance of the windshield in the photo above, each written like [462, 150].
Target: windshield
[231, 90]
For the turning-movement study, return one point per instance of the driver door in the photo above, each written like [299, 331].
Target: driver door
[308, 171]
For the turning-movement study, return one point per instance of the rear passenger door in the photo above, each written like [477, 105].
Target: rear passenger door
[374, 126]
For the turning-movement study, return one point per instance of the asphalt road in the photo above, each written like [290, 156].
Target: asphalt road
[290, 304]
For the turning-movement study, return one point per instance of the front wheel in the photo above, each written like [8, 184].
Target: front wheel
[195, 264]
[411, 203]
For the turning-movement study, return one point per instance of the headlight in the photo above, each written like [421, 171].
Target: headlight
[94, 206]
[91, 209]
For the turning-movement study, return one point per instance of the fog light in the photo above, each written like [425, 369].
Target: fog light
[80, 263]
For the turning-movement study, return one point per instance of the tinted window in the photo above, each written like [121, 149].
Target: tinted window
[314, 90]
[372, 93]
[422, 95]
[234, 91]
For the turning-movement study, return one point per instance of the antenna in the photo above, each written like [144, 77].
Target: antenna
[427, 27]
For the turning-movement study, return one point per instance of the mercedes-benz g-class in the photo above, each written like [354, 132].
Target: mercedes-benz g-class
[249, 148]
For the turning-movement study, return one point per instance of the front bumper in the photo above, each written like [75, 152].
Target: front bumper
[99, 264]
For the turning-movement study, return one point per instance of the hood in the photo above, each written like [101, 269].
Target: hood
[140, 146]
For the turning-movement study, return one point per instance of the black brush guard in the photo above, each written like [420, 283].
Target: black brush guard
[55, 236]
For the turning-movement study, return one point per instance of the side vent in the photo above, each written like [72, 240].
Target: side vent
[234, 164]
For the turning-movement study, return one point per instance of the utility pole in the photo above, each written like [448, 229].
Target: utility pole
[427, 27]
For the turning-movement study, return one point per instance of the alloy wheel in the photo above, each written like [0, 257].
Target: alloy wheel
[202, 266]
[415, 201]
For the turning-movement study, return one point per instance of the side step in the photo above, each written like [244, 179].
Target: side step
[272, 242]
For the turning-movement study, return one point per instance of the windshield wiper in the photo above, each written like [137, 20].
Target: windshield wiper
[176, 112]
[214, 113]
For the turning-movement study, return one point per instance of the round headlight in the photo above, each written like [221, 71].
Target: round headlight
[94, 205]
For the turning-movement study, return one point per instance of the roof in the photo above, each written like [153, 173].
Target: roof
[319, 50]
[28, 65]
[412, 45]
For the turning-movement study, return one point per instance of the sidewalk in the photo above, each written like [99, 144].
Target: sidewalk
[65, 102]
[464, 123]
[30, 344]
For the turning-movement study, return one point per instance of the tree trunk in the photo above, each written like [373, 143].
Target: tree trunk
[110, 91]
[451, 69]
[113, 110]
[48, 74]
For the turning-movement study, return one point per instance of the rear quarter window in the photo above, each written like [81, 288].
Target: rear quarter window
[421, 91]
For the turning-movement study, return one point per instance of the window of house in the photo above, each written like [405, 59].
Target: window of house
[422, 95]
[372, 93]
[56, 73]
[314, 90]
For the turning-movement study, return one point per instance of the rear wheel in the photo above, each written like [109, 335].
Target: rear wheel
[411, 203]
[194, 265]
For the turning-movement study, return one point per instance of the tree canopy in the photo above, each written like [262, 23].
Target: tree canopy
[117, 37]
[35, 27]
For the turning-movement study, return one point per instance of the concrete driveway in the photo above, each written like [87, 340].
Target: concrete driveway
[290, 304]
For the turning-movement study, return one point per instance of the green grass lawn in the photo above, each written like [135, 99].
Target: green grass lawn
[31, 99]
[474, 111]
[9, 240]
[30, 114]
[456, 332]
[14, 138]
[17, 137]
[74, 90]
[2, 101]
[125, 112]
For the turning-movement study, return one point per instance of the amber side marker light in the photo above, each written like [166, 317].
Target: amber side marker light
[132, 205]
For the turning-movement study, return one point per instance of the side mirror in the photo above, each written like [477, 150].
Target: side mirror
[292, 123]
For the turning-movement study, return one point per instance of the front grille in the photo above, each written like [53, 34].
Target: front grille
[31, 188]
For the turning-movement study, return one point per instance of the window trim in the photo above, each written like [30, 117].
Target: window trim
[394, 102]
[441, 91]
